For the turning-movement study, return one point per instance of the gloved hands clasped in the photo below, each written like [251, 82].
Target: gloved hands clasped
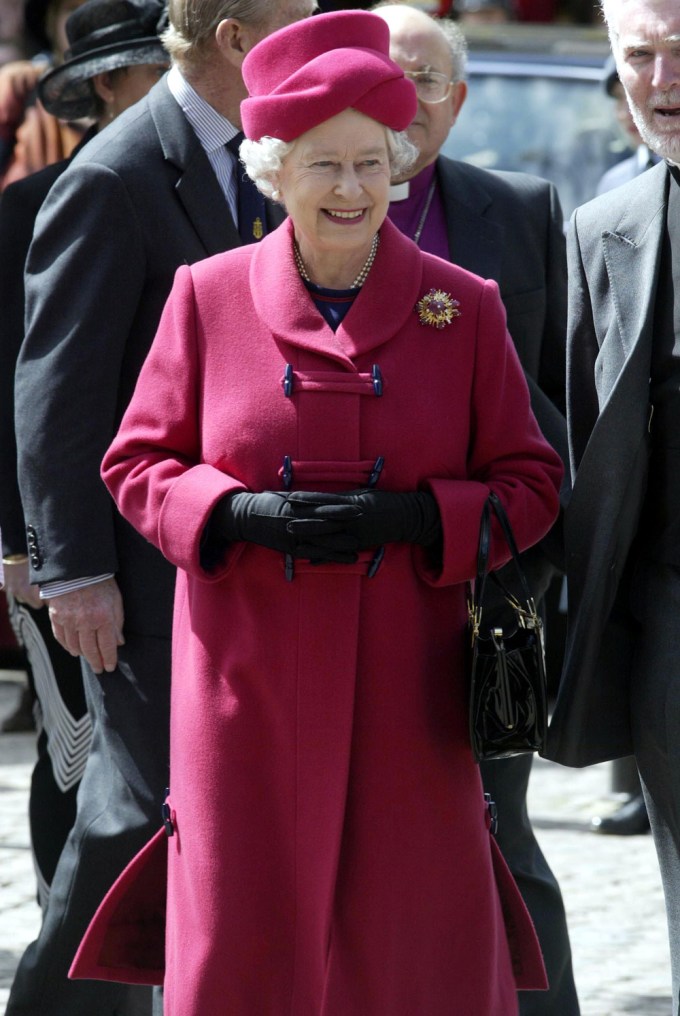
[323, 527]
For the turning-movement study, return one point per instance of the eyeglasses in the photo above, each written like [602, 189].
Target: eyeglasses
[431, 86]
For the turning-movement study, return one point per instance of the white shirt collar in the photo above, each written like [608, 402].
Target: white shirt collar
[211, 128]
[400, 191]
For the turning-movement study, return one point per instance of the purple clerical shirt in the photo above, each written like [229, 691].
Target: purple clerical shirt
[406, 212]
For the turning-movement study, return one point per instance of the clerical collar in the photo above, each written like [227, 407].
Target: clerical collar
[400, 191]
[416, 185]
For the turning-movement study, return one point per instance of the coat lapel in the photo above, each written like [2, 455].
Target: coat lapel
[603, 514]
[475, 242]
[388, 296]
[631, 253]
[197, 187]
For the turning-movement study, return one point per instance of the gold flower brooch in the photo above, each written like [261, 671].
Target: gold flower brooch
[437, 309]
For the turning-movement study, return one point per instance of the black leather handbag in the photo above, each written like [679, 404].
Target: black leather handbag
[508, 694]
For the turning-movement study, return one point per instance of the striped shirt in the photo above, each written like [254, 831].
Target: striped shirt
[213, 131]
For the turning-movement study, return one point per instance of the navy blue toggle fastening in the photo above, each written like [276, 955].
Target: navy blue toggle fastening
[167, 816]
[376, 562]
[287, 473]
[376, 471]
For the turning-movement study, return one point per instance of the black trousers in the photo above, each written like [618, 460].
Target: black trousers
[119, 803]
[64, 737]
[655, 721]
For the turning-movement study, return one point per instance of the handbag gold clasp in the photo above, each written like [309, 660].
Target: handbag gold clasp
[474, 620]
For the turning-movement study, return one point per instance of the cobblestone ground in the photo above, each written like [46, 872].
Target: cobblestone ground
[611, 885]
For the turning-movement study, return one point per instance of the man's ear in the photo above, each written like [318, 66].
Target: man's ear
[233, 39]
[458, 96]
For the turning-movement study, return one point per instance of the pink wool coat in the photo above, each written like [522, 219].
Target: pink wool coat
[331, 853]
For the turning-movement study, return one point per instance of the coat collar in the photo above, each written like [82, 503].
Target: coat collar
[382, 307]
[631, 251]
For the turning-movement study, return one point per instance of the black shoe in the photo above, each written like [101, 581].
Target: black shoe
[631, 819]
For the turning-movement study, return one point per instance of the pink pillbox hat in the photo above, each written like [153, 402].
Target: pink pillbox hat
[314, 69]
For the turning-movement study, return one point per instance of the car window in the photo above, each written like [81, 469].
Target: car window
[562, 129]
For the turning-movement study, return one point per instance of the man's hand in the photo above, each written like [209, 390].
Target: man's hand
[89, 622]
[18, 586]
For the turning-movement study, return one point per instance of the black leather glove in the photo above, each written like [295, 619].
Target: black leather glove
[273, 519]
[381, 516]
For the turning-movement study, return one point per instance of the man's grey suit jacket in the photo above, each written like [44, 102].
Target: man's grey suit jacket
[139, 201]
[614, 252]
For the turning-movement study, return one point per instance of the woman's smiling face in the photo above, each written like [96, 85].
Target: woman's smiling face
[335, 185]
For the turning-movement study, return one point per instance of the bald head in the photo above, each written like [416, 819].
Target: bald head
[405, 21]
[421, 44]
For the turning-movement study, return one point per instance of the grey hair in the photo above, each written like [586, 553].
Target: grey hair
[263, 159]
[606, 11]
[457, 45]
[193, 22]
[451, 32]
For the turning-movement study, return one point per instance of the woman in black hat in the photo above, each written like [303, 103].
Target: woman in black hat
[108, 38]
[30, 138]
[115, 55]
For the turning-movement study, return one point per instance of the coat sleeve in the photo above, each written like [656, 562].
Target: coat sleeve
[15, 234]
[84, 281]
[507, 454]
[154, 467]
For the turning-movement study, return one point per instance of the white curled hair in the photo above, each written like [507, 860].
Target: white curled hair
[263, 159]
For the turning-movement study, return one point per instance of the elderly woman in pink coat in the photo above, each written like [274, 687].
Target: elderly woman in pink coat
[313, 436]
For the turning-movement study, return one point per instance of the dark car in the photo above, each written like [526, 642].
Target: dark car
[536, 103]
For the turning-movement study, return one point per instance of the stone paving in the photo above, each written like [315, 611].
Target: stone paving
[610, 885]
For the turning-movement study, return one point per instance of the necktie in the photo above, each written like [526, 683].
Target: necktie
[252, 224]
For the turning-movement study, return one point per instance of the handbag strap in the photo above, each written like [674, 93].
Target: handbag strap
[493, 503]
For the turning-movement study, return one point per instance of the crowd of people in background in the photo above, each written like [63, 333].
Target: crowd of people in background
[152, 160]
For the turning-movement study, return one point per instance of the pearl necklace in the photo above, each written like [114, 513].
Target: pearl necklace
[361, 277]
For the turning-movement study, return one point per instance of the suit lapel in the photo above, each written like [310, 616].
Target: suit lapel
[197, 187]
[475, 243]
[631, 254]
[616, 449]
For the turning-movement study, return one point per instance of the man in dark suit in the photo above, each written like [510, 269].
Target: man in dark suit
[620, 689]
[482, 220]
[156, 189]
[105, 79]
